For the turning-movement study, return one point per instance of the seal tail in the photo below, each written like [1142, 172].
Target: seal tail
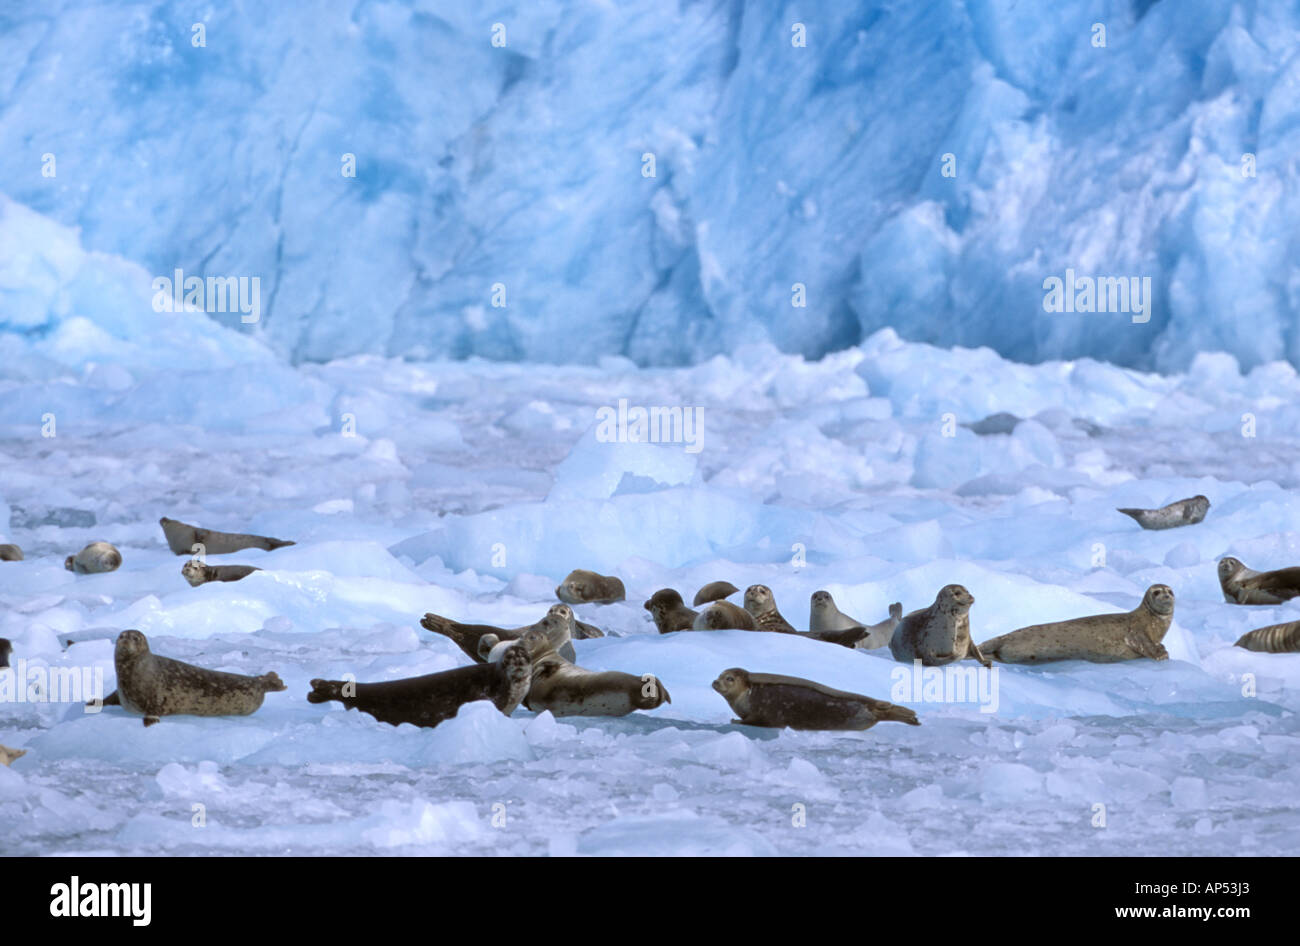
[1135, 514]
[322, 691]
[896, 611]
[272, 682]
[273, 544]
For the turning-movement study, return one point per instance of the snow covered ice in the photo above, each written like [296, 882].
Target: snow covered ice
[839, 450]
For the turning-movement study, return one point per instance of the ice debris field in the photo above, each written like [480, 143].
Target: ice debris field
[471, 488]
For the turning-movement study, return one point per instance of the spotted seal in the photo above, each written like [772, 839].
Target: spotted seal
[825, 616]
[1274, 639]
[196, 573]
[1184, 512]
[182, 537]
[584, 587]
[566, 689]
[772, 700]
[1100, 638]
[467, 636]
[1242, 585]
[95, 558]
[939, 634]
[153, 686]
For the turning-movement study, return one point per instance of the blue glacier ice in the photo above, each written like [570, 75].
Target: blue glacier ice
[522, 166]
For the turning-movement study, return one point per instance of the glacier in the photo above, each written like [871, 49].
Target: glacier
[500, 205]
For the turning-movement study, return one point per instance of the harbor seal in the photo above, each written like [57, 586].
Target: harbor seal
[566, 689]
[584, 587]
[1185, 512]
[670, 612]
[714, 591]
[1242, 585]
[6, 648]
[1100, 638]
[825, 616]
[153, 686]
[94, 558]
[723, 616]
[8, 756]
[772, 700]
[197, 573]
[939, 634]
[428, 700]
[760, 603]
[467, 636]
[1274, 639]
[10, 553]
[182, 537]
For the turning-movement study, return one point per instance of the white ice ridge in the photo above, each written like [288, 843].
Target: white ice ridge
[1162, 150]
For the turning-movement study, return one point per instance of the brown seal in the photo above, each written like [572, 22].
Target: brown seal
[94, 558]
[939, 634]
[10, 553]
[722, 616]
[7, 755]
[1185, 512]
[765, 699]
[430, 699]
[1274, 639]
[569, 690]
[197, 573]
[153, 686]
[670, 612]
[825, 616]
[1242, 585]
[714, 591]
[584, 587]
[182, 537]
[558, 625]
[760, 603]
[1100, 638]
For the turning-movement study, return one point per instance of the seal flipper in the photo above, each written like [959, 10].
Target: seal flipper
[974, 651]
[322, 691]
[150, 720]
[111, 700]
[1145, 646]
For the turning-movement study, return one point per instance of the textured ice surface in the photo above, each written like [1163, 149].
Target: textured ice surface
[522, 165]
[459, 494]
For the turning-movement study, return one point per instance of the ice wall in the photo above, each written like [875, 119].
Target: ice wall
[524, 165]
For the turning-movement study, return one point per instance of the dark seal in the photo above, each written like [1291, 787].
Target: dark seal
[435, 697]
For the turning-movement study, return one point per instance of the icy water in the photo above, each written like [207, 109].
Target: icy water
[470, 489]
